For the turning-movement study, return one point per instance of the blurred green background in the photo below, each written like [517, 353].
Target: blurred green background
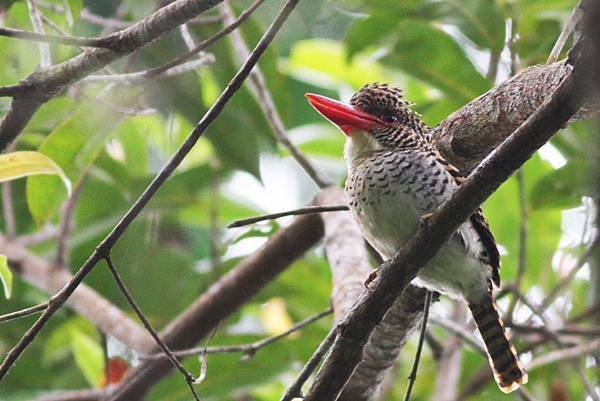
[443, 53]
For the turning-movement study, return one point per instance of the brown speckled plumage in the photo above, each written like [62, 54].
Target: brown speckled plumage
[395, 176]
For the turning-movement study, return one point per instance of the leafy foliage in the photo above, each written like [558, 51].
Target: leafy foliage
[111, 141]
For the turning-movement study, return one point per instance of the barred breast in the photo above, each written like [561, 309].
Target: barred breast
[388, 193]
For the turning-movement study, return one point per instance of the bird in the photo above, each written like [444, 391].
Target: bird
[396, 179]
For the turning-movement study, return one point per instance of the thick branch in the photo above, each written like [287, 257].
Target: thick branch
[224, 297]
[45, 83]
[396, 274]
[472, 132]
[349, 263]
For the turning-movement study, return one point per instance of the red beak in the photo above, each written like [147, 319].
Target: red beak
[347, 118]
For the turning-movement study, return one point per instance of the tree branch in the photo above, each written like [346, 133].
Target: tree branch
[103, 249]
[54, 39]
[295, 212]
[223, 298]
[42, 85]
[205, 43]
[36, 21]
[349, 264]
[261, 93]
[142, 76]
[396, 274]
[247, 349]
[468, 135]
[85, 301]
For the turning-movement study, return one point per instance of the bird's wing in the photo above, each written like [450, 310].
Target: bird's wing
[491, 256]
[488, 252]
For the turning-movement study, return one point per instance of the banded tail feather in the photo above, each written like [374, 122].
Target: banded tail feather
[508, 371]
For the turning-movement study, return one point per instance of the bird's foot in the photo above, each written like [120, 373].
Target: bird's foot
[423, 221]
[371, 278]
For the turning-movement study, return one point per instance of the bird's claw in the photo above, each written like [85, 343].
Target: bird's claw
[425, 219]
[371, 277]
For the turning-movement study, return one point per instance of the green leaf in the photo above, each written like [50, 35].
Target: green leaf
[89, 356]
[561, 188]
[74, 8]
[431, 55]
[26, 163]
[482, 21]
[5, 276]
[73, 145]
[325, 62]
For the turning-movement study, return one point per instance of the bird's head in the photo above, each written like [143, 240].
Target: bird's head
[377, 118]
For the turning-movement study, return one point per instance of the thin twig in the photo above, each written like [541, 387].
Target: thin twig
[248, 349]
[413, 373]
[295, 390]
[583, 259]
[206, 20]
[259, 88]
[104, 247]
[214, 223]
[568, 330]
[492, 70]
[109, 23]
[45, 38]
[459, 331]
[151, 73]
[46, 233]
[36, 21]
[564, 354]
[186, 35]
[522, 258]
[295, 212]
[141, 76]
[23, 312]
[572, 22]
[88, 16]
[189, 378]
[65, 226]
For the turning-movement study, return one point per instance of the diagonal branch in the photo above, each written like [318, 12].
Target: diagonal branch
[349, 264]
[233, 25]
[55, 39]
[103, 249]
[223, 298]
[42, 85]
[396, 274]
[258, 87]
[85, 301]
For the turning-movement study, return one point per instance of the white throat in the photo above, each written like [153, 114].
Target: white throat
[357, 145]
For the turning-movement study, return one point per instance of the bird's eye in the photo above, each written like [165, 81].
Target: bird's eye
[390, 118]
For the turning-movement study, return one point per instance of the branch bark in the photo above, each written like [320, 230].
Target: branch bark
[85, 301]
[468, 135]
[349, 263]
[104, 247]
[223, 298]
[42, 85]
[396, 274]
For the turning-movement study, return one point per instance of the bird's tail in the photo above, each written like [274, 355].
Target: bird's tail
[508, 371]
